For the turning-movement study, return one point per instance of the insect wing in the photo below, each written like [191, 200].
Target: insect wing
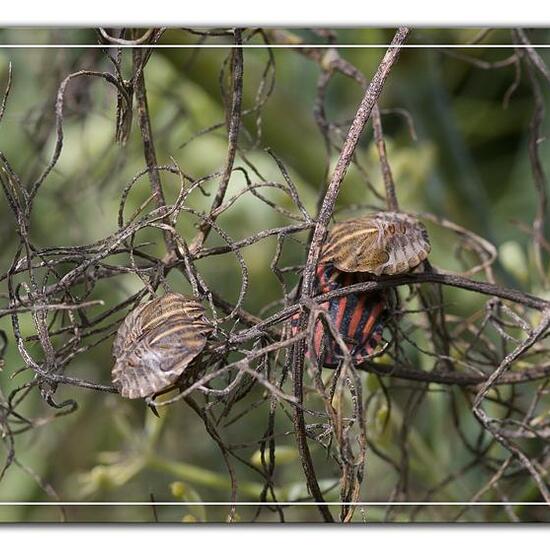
[354, 245]
[384, 243]
[155, 344]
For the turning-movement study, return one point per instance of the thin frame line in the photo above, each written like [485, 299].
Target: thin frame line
[247, 503]
[275, 46]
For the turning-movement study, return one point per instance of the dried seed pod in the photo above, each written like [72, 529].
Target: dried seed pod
[156, 342]
[383, 243]
[359, 318]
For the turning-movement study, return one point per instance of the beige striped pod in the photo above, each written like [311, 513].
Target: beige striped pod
[385, 243]
[156, 342]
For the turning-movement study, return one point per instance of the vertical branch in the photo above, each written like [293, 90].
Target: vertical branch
[535, 61]
[6, 92]
[537, 170]
[389, 185]
[234, 122]
[147, 139]
[298, 350]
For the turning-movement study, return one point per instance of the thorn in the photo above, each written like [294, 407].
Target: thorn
[151, 405]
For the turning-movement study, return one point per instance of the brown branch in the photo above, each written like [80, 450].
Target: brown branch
[233, 136]
[535, 137]
[298, 351]
[486, 422]
[449, 279]
[391, 196]
[452, 378]
[6, 92]
[148, 143]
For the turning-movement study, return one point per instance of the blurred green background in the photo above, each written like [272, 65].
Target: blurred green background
[469, 164]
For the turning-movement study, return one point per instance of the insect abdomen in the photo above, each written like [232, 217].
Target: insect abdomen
[358, 318]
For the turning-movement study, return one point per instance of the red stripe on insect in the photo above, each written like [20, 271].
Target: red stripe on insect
[377, 310]
[358, 318]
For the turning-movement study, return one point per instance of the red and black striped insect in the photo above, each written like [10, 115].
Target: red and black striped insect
[359, 318]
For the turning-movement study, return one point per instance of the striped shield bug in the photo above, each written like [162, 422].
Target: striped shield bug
[155, 344]
[385, 243]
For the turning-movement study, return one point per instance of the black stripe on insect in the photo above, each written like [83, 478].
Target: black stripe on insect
[359, 318]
